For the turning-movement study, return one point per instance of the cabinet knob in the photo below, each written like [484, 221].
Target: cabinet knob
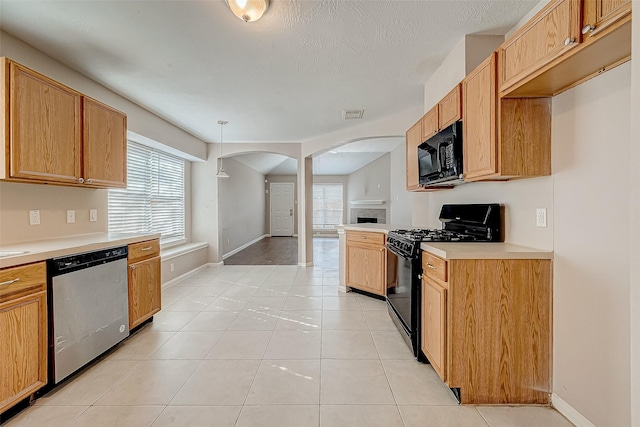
[133, 267]
[569, 41]
[588, 29]
[80, 180]
[89, 181]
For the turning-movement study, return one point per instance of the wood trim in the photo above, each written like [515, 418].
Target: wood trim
[5, 119]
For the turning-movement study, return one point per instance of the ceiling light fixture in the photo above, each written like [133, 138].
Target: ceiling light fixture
[248, 10]
[221, 173]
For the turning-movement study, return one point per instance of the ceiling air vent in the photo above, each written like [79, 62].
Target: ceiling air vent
[352, 114]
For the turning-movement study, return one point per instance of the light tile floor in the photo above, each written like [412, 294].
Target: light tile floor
[266, 346]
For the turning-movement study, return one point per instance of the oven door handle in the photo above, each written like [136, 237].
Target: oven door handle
[397, 253]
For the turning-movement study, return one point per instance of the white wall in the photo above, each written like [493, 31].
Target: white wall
[371, 182]
[591, 189]
[400, 198]
[241, 200]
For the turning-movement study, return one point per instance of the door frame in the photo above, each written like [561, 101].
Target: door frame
[293, 199]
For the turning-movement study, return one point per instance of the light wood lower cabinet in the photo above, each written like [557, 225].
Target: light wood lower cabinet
[487, 330]
[366, 261]
[144, 282]
[23, 328]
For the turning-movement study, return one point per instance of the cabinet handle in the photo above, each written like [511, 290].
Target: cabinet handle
[148, 248]
[419, 276]
[133, 267]
[363, 237]
[8, 282]
[81, 180]
[89, 181]
[431, 266]
[569, 41]
[588, 29]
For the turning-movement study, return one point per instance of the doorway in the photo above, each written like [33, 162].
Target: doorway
[281, 198]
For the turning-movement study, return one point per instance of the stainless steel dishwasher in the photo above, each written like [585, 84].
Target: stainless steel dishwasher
[88, 308]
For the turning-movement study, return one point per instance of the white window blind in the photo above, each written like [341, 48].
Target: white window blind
[327, 206]
[153, 201]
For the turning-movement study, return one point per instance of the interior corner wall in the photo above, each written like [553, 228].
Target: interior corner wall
[267, 209]
[400, 198]
[241, 198]
[446, 77]
[634, 160]
[371, 182]
[591, 172]
[204, 204]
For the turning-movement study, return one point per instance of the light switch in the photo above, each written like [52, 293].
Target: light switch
[93, 215]
[71, 217]
[34, 217]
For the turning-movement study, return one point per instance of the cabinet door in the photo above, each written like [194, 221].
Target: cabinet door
[599, 14]
[430, 125]
[449, 109]
[365, 268]
[549, 34]
[480, 142]
[434, 332]
[144, 290]
[45, 128]
[105, 145]
[23, 352]
[414, 138]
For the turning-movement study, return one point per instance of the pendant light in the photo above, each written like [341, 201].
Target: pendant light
[221, 173]
[248, 10]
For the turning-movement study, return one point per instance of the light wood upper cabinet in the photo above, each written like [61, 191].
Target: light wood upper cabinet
[479, 130]
[366, 261]
[599, 14]
[503, 138]
[55, 135]
[549, 34]
[414, 138]
[144, 282]
[45, 128]
[105, 145]
[23, 328]
[430, 125]
[450, 108]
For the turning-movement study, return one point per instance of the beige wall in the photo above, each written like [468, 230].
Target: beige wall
[591, 189]
[593, 324]
[400, 198]
[267, 205]
[53, 201]
[183, 264]
[634, 159]
[241, 200]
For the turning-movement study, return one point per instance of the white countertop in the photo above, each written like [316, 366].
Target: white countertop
[469, 250]
[380, 228]
[53, 248]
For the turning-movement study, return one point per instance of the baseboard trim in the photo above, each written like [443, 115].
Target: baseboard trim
[303, 264]
[570, 412]
[184, 276]
[245, 246]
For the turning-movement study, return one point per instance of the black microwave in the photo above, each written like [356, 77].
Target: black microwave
[440, 158]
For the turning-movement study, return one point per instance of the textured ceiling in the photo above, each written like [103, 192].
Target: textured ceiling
[285, 78]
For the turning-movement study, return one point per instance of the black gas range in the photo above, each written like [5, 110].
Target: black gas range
[460, 223]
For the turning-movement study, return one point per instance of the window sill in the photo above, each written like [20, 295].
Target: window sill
[176, 251]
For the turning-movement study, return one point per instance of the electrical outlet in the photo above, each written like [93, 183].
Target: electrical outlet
[34, 217]
[172, 267]
[93, 215]
[541, 217]
[71, 217]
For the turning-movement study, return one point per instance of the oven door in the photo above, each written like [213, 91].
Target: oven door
[401, 292]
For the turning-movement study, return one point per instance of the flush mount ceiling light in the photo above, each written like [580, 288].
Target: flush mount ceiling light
[221, 173]
[248, 10]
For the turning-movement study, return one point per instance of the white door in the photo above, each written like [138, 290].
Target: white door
[281, 208]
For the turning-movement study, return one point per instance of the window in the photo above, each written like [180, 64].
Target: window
[153, 201]
[327, 206]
